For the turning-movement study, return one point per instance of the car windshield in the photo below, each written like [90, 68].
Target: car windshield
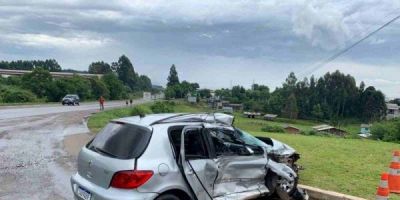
[248, 139]
[123, 141]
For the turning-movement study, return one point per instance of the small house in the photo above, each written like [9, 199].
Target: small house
[365, 130]
[291, 129]
[270, 117]
[393, 111]
[227, 109]
[324, 128]
[147, 95]
[192, 99]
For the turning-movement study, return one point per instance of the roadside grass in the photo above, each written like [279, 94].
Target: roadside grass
[349, 166]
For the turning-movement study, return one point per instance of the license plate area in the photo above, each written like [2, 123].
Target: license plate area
[83, 193]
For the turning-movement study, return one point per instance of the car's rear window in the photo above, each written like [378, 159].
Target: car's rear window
[123, 141]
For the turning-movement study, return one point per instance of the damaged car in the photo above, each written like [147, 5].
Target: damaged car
[183, 157]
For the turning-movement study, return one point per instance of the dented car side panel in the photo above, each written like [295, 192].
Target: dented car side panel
[230, 176]
[240, 174]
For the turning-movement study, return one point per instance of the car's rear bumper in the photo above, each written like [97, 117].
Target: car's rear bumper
[100, 193]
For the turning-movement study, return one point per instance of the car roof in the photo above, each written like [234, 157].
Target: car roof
[146, 120]
[152, 119]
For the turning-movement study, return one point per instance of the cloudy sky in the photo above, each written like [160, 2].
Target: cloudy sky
[215, 43]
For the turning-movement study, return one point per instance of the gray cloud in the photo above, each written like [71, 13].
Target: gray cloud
[262, 39]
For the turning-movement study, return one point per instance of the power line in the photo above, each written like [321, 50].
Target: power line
[330, 59]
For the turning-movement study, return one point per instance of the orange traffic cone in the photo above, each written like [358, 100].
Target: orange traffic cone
[394, 173]
[383, 190]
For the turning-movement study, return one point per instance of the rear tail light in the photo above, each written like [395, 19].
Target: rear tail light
[130, 179]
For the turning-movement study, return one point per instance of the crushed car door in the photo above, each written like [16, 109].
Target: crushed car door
[241, 167]
[199, 169]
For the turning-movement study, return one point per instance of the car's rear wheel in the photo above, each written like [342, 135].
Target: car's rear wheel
[168, 197]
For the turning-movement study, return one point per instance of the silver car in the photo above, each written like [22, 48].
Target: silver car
[183, 157]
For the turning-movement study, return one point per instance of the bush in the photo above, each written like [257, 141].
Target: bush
[16, 95]
[162, 107]
[139, 111]
[387, 131]
[274, 129]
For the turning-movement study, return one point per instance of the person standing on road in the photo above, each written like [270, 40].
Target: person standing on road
[126, 102]
[130, 101]
[101, 102]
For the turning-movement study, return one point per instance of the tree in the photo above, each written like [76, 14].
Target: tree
[126, 72]
[290, 110]
[114, 85]
[373, 104]
[48, 64]
[173, 76]
[39, 82]
[145, 83]
[205, 93]
[317, 112]
[99, 67]
[99, 88]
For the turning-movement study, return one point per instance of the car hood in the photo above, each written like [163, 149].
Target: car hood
[70, 99]
[280, 148]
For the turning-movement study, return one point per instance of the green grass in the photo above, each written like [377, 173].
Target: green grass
[350, 166]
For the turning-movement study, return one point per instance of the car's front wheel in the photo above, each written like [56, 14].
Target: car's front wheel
[282, 187]
[168, 197]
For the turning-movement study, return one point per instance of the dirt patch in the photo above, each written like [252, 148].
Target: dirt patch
[74, 143]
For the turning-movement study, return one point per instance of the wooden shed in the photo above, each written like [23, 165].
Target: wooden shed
[324, 128]
[291, 129]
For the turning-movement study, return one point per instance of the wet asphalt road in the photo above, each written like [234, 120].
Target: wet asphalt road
[33, 162]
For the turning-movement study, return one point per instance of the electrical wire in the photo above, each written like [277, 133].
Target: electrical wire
[336, 55]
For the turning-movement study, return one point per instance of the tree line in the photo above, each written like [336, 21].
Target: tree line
[118, 82]
[332, 97]
[49, 64]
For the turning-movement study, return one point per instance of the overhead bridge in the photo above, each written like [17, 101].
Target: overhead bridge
[10, 72]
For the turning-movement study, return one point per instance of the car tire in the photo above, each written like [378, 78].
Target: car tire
[167, 197]
[272, 184]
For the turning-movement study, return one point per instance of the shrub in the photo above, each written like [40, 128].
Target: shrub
[16, 95]
[387, 131]
[139, 111]
[162, 107]
[312, 132]
[275, 129]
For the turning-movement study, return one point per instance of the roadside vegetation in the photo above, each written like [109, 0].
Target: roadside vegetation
[119, 81]
[387, 130]
[350, 166]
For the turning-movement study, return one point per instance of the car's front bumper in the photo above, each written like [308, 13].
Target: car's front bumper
[100, 193]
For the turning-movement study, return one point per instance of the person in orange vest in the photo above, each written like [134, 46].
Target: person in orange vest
[101, 102]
